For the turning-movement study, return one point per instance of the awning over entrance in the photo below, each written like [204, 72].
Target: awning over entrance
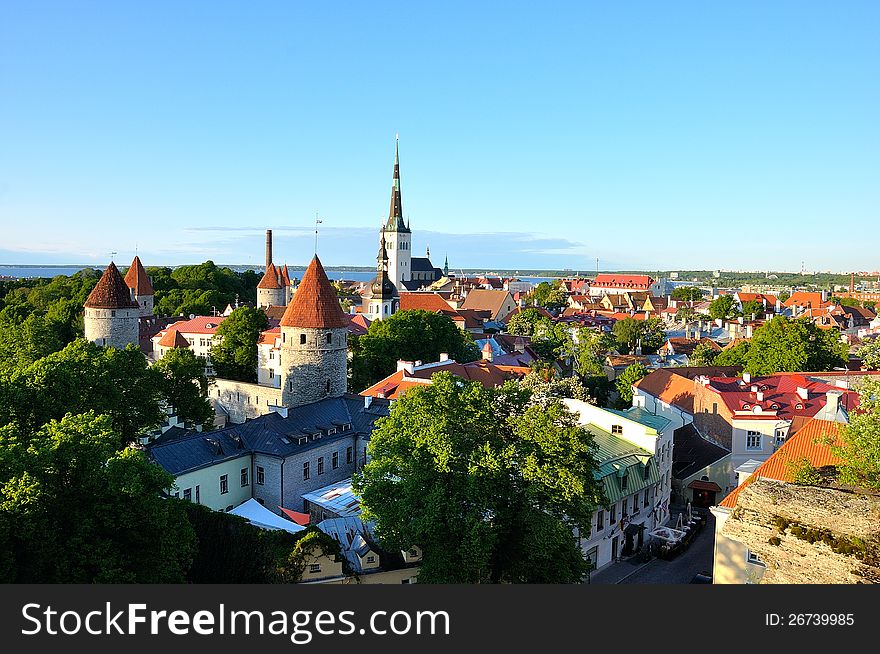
[699, 484]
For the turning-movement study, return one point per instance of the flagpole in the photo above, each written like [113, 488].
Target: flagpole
[317, 222]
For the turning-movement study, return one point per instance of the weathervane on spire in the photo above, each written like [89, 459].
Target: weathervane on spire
[317, 222]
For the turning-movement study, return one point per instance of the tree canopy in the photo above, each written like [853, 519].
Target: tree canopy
[723, 307]
[199, 289]
[487, 483]
[786, 345]
[75, 509]
[630, 375]
[629, 332]
[234, 349]
[687, 293]
[415, 335]
[525, 322]
[185, 386]
[869, 353]
[550, 296]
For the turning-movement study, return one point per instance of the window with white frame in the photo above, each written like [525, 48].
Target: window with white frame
[753, 440]
[779, 437]
[754, 559]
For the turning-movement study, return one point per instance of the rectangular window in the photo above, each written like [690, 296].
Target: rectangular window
[780, 437]
[348, 453]
[646, 498]
[616, 429]
[306, 474]
[320, 465]
[188, 494]
[244, 477]
[371, 559]
[613, 513]
[198, 495]
[753, 558]
[315, 567]
[635, 504]
[624, 512]
[753, 440]
[261, 475]
[600, 520]
[623, 482]
[224, 484]
[335, 460]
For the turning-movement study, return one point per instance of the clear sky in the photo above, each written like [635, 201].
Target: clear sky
[652, 135]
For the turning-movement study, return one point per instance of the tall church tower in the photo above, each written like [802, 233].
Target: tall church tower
[111, 315]
[314, 342]
[398, 238]
[383, 298]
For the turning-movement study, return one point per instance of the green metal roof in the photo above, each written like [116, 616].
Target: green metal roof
[618, 458]
[646, 418]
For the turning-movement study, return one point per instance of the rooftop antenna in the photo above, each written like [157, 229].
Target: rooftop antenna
[317, 222]
[113, 254]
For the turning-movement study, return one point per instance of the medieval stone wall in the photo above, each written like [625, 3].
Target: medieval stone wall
[314, 364]
[777, 521]
[243, 400]
[114, 327]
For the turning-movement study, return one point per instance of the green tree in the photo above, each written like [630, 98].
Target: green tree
[549, 296]
[685, 314]
[860, 448]
[80, 378]
[525, 323]
[488, 484]
[782, 297]
[625, 380]
[752, 308]
[869, 353]
[185, 386]
[733, 356]
[409, 335]
[785, 345]
[687, 293]
[704, 355]
[84, 512]
[724, 307]
[545, 391]
[234, 352]
[590, 347]
[627, 332]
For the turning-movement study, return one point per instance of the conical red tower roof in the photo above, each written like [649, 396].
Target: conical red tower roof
[270, 278]
[111, 292]
[136, 278]
[314, 305]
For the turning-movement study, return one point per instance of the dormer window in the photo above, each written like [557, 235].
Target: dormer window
[747, 406]
[623, 482]
[798, 406]
[617, 429]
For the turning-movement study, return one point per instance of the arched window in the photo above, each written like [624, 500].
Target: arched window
[302, 339]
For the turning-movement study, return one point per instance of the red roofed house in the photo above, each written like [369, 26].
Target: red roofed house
[196, 333]
[802, 300]
[734, 563]
[770, 303]
[412, 374]
[111, 316]
[498, 303]
[618, 283]
[751, 416]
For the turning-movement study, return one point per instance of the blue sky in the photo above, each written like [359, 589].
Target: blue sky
[532, 135]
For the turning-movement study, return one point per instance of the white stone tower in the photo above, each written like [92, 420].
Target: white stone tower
[314, 342]
[111, 317]
[398, 238]
[141, 287]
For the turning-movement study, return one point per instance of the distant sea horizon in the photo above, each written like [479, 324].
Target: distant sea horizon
[353, 273]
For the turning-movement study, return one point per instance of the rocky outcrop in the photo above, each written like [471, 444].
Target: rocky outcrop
[808, 534]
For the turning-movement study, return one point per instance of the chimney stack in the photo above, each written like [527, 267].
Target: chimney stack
[832, 402]
[268, 248]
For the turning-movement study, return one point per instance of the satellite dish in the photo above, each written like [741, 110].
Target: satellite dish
[191, 316]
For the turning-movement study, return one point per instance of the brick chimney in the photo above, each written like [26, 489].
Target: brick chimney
[444, 356]
[405, 365]
[268, 248]
[487, 351]
[832, 402]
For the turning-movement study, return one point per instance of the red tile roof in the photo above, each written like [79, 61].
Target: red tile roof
[315, 304]
[111, 292]
[270, 278]
[198, 325]
[285, 276]
[809, 442]
[136, 278]
[804, 299]
[425, 301]
[779, 391]
[675, 386]
[358, 324]
[622, 281]
[173, 338]
[488, 374]
[269, 336]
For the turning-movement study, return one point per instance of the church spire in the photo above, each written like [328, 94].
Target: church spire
[446, 266]
[395, 214]
[382, 288]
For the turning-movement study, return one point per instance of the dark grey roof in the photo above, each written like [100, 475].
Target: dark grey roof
[271, 434]
[691, 452]
[422, 264]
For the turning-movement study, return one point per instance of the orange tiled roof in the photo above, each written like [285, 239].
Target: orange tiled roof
[198, 325]
[269, 336]
[315, 304]
[270, 278]
[173, 338]
[486, 373]
[808, 442]
[111, 292]
[136, 278]
[424, 301]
